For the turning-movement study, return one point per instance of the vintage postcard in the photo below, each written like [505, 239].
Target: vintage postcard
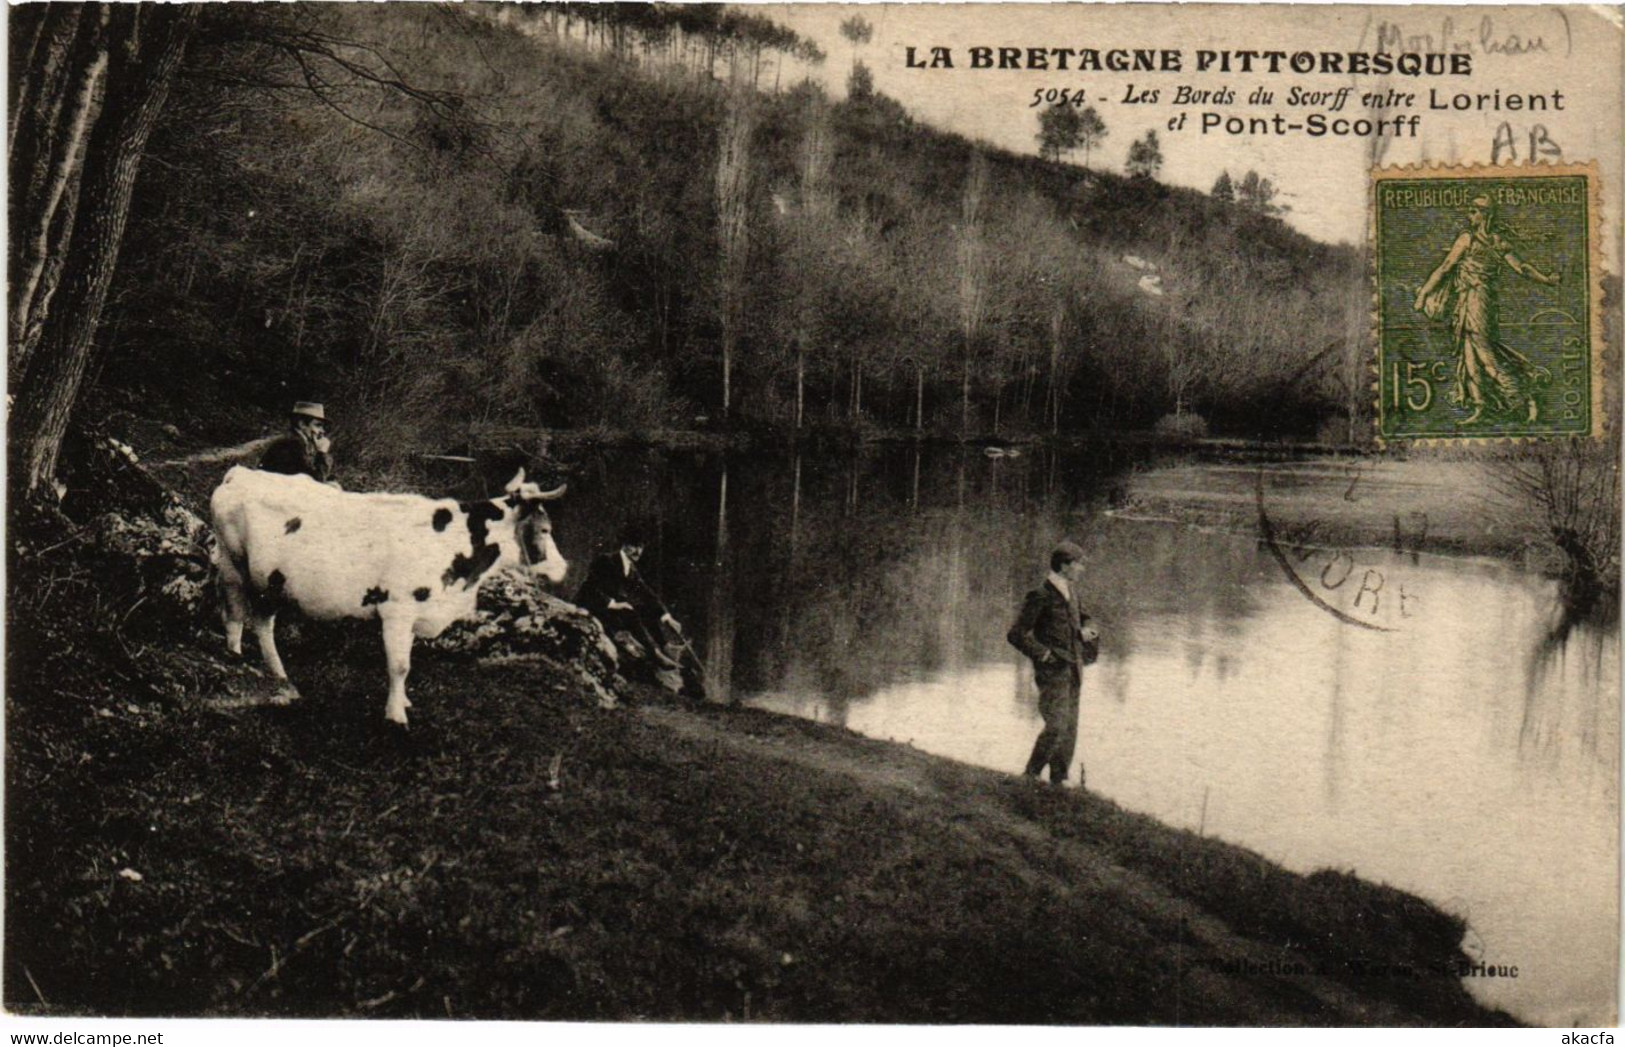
[966, 514]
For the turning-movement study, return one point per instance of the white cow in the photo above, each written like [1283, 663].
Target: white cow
[414, 563]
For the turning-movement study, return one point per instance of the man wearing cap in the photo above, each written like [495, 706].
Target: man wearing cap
[306, 449]
[1057, 636]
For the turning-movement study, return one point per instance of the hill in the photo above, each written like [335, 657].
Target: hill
[425, 216]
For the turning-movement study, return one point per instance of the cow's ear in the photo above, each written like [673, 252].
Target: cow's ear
[516, 482]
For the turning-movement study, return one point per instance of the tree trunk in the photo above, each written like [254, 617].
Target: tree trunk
[146, 44]
[41, 89]
[964, 399]
[37, 24]
[801, 386]
[39, 310]
[733, 159]
[919, 400]
[47, 190]
[1055, 329]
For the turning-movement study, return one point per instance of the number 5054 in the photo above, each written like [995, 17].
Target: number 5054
[1058, 96]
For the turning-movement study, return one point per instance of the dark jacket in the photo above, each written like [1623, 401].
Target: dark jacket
[1049, 633]
[292, 454]
[607, 580]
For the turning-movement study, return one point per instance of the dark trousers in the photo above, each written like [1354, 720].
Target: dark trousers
[1058, 704]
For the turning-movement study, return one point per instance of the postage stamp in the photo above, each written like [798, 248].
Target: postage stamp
[1487, 307]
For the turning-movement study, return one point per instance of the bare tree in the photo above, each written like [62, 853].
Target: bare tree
[1573, 487]
[817, 210]
[972, 256]
[733, 231]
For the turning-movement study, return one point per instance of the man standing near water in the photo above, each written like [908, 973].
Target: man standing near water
[1055, 633]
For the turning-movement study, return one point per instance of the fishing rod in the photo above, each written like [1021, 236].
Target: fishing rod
[688, 644]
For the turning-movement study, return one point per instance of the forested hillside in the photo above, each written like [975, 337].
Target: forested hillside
[633, 216]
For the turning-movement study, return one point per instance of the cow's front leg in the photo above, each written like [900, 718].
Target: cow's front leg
[398, 656]
[265, 633]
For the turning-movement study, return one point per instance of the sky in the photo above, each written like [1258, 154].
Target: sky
[1322, 180]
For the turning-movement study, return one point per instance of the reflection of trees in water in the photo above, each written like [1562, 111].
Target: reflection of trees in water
[846, 573]
[719, 632]
[908, 563]
[1164, 585]
[1571, 690]
[1335, 764]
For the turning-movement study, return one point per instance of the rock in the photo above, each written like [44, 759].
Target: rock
[516, 619]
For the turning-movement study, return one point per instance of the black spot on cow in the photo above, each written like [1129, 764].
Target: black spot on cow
[375, 595]
[442, 519]
[468, 569]
[294, 525]
[271, 599]
[421, 593]
[480, 515]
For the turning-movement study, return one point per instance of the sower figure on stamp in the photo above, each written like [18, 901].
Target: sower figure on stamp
[1464, 291]
[1055, 633]
[305, 448]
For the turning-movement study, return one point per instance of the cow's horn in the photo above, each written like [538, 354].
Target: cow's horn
[518, 478]
[557, 492]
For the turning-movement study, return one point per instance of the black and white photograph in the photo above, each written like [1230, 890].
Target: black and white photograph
[808, 514]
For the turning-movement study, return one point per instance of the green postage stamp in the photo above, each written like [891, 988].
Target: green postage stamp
[1487, 302]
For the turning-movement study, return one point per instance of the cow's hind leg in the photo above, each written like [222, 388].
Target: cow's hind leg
[398, 655]
[265, 633]
[264, 603]
[234, 608]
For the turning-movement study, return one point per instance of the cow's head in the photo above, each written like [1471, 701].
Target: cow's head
[533, 529]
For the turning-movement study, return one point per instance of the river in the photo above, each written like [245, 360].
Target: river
[1455, 743]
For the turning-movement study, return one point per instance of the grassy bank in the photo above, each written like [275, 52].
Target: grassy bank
[208, 858]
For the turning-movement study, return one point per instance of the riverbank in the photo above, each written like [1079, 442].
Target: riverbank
[179, 846]
[1408, 505]
[706, 864]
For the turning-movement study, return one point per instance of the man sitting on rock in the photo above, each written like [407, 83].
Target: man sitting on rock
[630, 612]
[305, 448]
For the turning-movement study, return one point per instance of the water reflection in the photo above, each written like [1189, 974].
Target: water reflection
[1470, 755]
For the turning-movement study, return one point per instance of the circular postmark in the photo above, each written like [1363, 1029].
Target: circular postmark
[1354, 585]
